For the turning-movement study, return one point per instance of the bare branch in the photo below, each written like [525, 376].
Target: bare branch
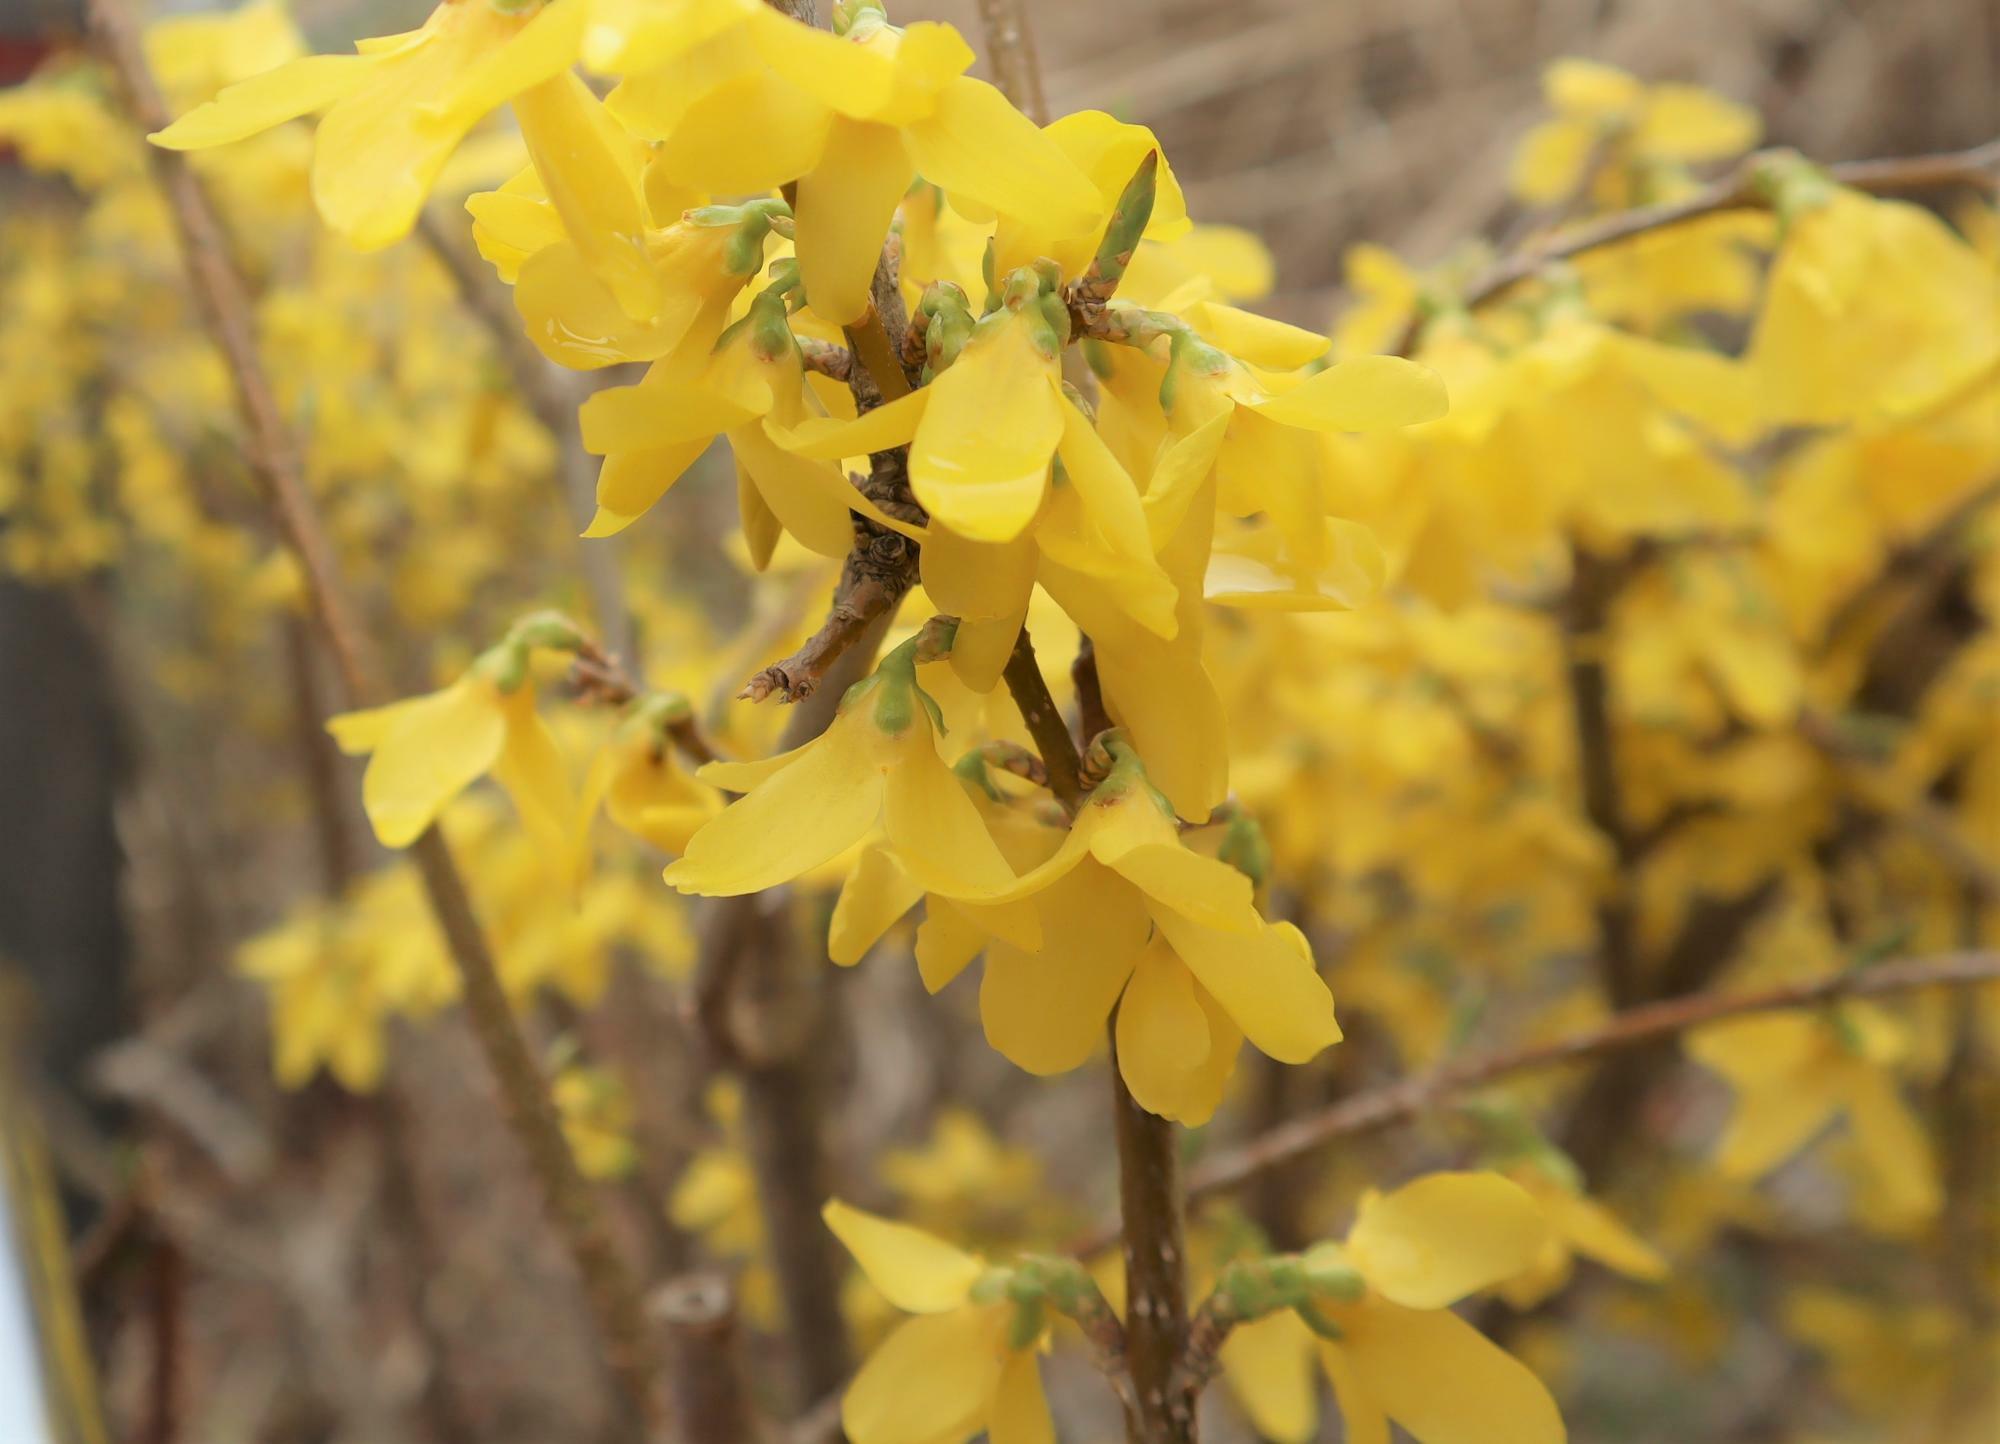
[274, 456]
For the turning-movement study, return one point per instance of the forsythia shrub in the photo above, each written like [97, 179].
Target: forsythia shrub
[1555, 666]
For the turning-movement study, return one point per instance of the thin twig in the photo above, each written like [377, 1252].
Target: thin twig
[1741, 189]
[1412, 1096]
[273, 454]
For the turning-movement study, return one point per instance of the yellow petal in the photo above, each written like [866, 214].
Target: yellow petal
[1267, 1364]
[1020, 1410]
[1363, 393]
[931, 1380]
[980, 460]
[1589, 87]
[1548, 164]
[378, 150]
[1594, 1231]
[1263, 980]
[1162, 1036]
[1433, 1241]
[978, 146]
[805, 815]
[715, 147]
[845, 204]
[1045, 1011]
[436, 748]
[1893, 1141]
[631, 481]
[1110, 498]
[934, 828]
[590, 174]
[531, 768]
[651, 415]
[826, 439]
[1208, 893]
[876, 894]
[537, 53]
[947, 941]
[1362, 1418]
[1444, 1381]
[1258, 339]
[918, 1273]
[987, 587]
[298, 87]
[809, 497]
[1771, 1124]
[1685, 122]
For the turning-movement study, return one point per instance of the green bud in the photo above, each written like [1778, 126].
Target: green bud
[1128, 223]
[948, 324]
[1329, 1275]
[1790, 184]
[1319, 1323]
[505, 664]
[770, 328]
[1097, 356]
[1245, 848]
[991, 1287]
[549, 629]
[660, 710]
[972, 768]
[1030, 1319]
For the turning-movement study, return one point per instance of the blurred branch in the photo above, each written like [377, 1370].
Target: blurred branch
[1635, 1026]
[274, 456]
[1010, 50]
[553, 395]
[706, 1389]
[1743, 188]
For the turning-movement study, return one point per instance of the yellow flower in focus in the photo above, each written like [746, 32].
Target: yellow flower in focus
[390, 122]
[966, 1362]
[1604, 114]
[853, 118]
[1132, 918]
[877, 765]
[1380, 1305]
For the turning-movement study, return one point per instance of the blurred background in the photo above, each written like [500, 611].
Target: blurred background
[324, 1264]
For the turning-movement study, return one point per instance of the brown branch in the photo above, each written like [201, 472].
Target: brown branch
[1741, 189]
[882, 567]
[1925, 555]
[826, 358]
[1631, 1028]
[707, 1392]
[1038, 708]
[760, 1005]
[1150, 1202]
[1010, 50]
[274, 456]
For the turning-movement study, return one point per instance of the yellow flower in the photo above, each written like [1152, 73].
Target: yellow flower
[1132, 918]
[1794, 1073]
[645, 791]
[596, 1113]
[1577, 1225]
[877, 765]
[1603, 112]
[390, 121]
[1387, 1338]
[966, 1362]
[424, 751]
[852, 118]
[750, 386]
